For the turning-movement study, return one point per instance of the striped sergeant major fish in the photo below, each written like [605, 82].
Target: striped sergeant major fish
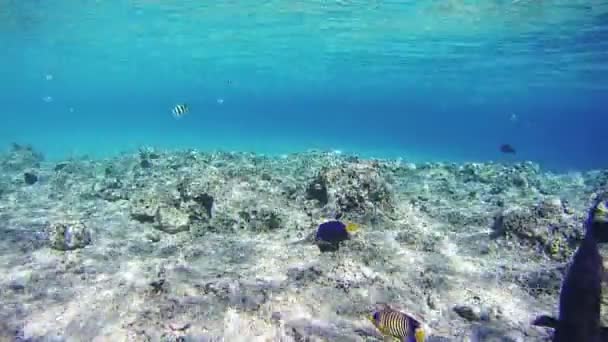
[580, 294]
[398, 325]
[180, 110]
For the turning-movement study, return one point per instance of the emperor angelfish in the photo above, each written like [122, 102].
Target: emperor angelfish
[180, 110]
[398, 325]
[579, 300]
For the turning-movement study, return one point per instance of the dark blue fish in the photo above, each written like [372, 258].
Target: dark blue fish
[506, 148]
[579, 300]
[331, 233]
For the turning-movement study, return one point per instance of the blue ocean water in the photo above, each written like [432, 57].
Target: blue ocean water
[421, 80]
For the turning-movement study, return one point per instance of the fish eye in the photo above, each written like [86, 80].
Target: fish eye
[376, 316]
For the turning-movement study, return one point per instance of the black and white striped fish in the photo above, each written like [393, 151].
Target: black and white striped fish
[180, 110]
[399, 325]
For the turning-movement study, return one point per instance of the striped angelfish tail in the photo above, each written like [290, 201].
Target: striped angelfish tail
[397, 324]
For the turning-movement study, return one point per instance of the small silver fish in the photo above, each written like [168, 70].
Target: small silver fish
[180, 110]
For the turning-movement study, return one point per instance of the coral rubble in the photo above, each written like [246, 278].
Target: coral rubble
[191, 246]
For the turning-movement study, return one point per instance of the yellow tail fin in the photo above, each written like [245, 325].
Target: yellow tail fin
[600, 215]
[419, 335]
[352, 227]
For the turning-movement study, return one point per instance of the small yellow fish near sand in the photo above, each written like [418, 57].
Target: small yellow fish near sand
[180, 110]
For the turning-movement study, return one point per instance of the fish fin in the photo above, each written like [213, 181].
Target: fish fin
[600, 213]
[545, 321]
[352, 227]
[419, 335]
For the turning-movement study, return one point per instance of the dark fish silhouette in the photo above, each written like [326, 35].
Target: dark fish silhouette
[579, 300]
[331, 233]
[506, 148]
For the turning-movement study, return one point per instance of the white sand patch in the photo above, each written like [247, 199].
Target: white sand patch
[240, 327]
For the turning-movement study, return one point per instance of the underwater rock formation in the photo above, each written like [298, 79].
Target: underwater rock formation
[69, 235]
[352, 188]
[196, 197]
[144, 207]
[545, 225]
[550, 207]
[164, 213]
[502, 178]
[260, 219]
[110, 189]
[197, 190]
[21, 157]
[171, 220]
[317, 190]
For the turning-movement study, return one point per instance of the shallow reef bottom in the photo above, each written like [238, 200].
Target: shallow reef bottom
[192, 246]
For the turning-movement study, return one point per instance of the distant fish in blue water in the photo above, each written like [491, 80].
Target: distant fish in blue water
[331, 233]
[579, 300]
[506, 148]
[180, 110]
